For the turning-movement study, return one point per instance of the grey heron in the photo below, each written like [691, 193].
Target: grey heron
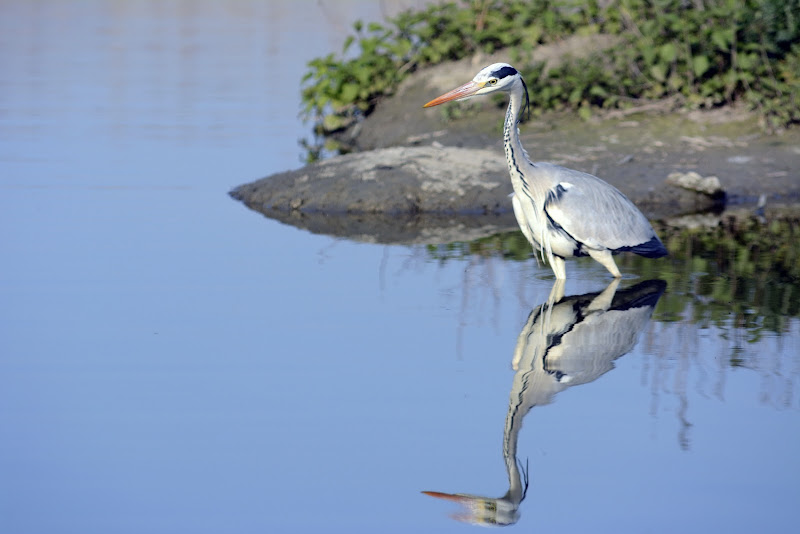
[562, 212]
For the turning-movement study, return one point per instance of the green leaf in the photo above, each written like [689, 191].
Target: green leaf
[597, 90]
[720, 39]
[648, 55]
[675, 82]
[747, 61]
[659, 72]
[333, 122]
[349, 92]
[363, 75]
[668, 52]
[700, 65]
[347, 43]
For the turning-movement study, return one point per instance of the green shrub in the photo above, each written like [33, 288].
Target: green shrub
[703, 54]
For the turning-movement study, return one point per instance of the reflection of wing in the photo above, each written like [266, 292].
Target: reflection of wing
[577, 340]
[589, 350]
[590, 347]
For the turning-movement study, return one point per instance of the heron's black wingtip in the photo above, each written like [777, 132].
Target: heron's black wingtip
[653, 248]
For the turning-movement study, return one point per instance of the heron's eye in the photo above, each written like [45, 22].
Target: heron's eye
[493, 81]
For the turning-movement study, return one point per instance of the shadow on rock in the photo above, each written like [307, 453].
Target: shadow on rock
[398, 228]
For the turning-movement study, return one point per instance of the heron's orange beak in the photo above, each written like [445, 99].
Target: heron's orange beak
[468, 89]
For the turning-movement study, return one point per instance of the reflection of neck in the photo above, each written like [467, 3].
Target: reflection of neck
[527, 390]
[516, 486]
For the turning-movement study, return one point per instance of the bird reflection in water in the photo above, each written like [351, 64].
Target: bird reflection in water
[567, 341]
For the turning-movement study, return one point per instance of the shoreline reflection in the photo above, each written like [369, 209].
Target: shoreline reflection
[567, 341]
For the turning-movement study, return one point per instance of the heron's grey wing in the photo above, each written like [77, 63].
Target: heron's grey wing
[596, 214]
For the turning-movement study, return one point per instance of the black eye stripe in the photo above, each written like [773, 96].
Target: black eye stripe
[503, 72]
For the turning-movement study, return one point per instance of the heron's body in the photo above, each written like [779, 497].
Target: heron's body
[562, 212]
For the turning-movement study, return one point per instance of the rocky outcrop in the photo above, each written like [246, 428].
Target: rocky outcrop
[437, 180]
[423, 177]
[390, 180]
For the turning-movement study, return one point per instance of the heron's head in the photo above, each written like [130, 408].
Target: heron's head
[496, 77]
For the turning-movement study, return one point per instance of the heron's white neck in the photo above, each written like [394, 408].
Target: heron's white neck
[515, 154]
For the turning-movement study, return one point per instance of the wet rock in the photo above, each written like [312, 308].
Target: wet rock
[390, 180]
[683, 193]
[694, 221]
[692, 181]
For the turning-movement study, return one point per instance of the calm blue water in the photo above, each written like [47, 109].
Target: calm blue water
[173, 362]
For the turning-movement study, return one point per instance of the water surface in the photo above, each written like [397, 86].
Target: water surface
[173, 362]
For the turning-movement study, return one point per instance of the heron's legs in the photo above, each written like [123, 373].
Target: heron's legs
[560, 267]
[556, 292]
[605, 259]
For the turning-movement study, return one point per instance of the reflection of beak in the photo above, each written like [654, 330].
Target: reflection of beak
[480, 510]
[447, 496]
[468, 89]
